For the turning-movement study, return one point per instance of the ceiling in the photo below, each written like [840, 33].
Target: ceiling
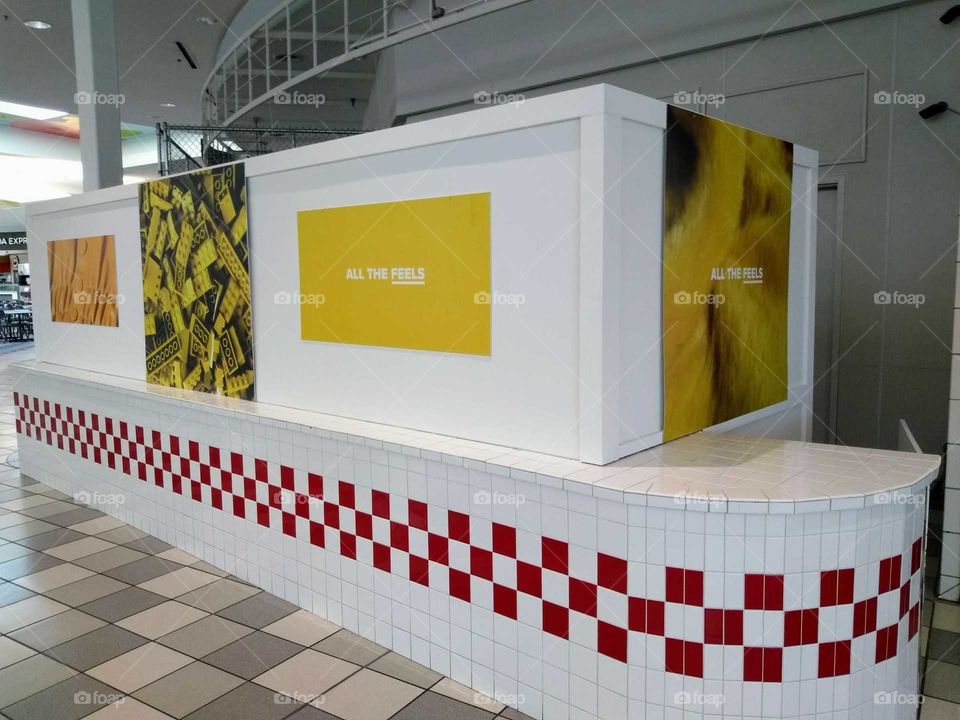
[151, 67]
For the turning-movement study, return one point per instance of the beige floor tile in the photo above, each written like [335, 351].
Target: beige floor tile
[178, 582]
[79, 548]
[934, 709]
[401, 668]
[161, 619]
[128, 709]
[98, 525]
[367, 695]
[179, 556]
[57, 629]
[11, 519]
[139, 667]
[28, 611]
[946, 616]
[189, 688]
[216, 596]
[205, 636]
[122, 535]
[453, 689]
[26, 502]
[306, 674]
[53, 577]
[13, 652]
[86, 590]
[302, 627]
[29, 676]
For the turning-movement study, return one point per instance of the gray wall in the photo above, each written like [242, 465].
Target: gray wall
[803, 80]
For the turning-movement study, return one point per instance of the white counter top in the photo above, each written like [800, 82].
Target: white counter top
[714, 472]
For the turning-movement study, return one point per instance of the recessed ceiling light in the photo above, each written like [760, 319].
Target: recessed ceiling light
[29, 111]
[206, 20]
[168, 104]
[37, 24]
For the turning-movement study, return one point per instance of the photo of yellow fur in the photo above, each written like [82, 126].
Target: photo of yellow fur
[726, 254]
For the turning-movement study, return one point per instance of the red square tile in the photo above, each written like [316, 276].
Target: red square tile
[612, 641]
[364, 524]
[347, 495]
[915, 555]
[505, 601]
[556, 620]
[460, 585]
[263, 515]
[315, 485]
[348, 545]
[905, 598]
[381, 557]
[458, 526]
[834, 659]
[836, 587]
[380, 503]
[612, 573]
[684, 586]
[763, 592]
[481, 563]
[289, 524]
[723, 627]
[529, 579]
[684, 657]
[504, 540]
[800, 627]
[399, 536]
[886, 642]
[555, 555]
[286, 477]
[762, 664]
[583, 597]
[236, 461]
[331, 515]
[239, 507]
[914, 622]
[437, 548]
[419, 570]
[864, 617]
[417, 514]
[890, 574]
[316, 534]
[260, 470]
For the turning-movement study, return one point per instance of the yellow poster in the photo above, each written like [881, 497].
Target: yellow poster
[83, 280]
[411, 274]
[726, 257]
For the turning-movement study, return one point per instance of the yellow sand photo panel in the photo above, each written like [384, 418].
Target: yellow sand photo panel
[83, 280]
[411, 274]
[726, 257]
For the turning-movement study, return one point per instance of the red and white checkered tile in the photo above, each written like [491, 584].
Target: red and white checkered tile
[558, 602]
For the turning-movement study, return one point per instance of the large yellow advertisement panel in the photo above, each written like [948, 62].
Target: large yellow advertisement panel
[726, 256]
[411, 274]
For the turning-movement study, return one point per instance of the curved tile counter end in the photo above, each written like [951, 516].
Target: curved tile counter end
[717, 576]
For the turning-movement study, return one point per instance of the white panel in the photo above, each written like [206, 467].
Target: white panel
[114, 350]
[525, 393]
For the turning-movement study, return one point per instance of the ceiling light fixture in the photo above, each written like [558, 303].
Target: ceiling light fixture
[29, 111]
[207, 20]
[168, 104]
[37, 24]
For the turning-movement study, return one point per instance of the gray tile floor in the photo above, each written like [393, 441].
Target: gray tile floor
[99, 620]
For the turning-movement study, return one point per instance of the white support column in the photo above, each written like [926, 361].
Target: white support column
[98, 97]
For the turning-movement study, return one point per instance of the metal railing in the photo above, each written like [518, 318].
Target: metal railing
[303, 39]
[187, 147]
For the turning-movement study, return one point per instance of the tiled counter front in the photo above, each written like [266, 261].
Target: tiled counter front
[540, 593]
